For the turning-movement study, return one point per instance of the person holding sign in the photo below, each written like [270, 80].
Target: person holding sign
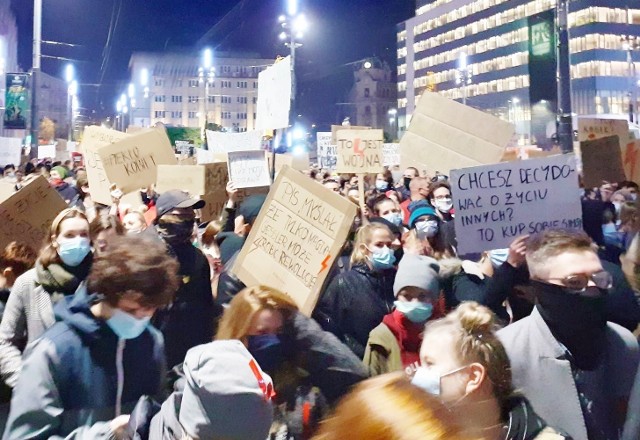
[356, 301]
[64, 262]
[576, 368]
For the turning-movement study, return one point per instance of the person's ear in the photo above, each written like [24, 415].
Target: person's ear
[54, 242]
[477, 375]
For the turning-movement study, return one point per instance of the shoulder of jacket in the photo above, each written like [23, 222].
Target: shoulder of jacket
[381, 336]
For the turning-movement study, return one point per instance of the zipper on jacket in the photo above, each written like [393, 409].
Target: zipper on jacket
[120, 375]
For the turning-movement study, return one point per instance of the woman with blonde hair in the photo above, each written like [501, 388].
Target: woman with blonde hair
[466, 365]
[309, 366]
[389, 407]
[64, 262]
[356, 301]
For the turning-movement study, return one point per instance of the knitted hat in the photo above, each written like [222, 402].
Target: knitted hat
[417, 271]
[226, 394]
[62, 172]
[420, 211]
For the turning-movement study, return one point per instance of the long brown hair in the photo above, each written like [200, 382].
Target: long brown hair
[48, 254]
[389, 407]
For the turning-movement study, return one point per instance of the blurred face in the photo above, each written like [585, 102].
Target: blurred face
[438, 354]
[441, 194]
[133, 223]
[129, 305]
[333, 186]
[415, 294]
[567, 264]
[619, 198]
[354, 194]
[606, 191]
[410, 173]
[387, 207]
[353, 181]
[102, 239]
[54, 174]
[266, 322]
[379, 239]
[72, 228]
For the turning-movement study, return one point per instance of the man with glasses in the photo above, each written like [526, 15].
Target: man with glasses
[576, 368]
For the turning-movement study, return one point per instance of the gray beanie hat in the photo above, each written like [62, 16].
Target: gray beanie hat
[417, 271]
[226, 394]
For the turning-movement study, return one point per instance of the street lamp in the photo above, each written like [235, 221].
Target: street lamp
[463, 75]
[206, 73]
[72, 89]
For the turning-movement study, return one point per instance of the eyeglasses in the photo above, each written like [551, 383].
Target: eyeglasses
[579, 282]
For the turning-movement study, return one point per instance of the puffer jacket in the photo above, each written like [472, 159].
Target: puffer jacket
[355, 303]
[78, 376]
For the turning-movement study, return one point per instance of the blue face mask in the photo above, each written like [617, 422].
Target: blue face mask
[416, 312]
[382, 258]
[393, 217]
[73, 251]
[498, 257]
[381, 185]
[127, 326]
[267, 349]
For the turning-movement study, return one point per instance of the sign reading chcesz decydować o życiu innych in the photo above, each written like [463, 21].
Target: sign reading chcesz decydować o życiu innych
[494, 204]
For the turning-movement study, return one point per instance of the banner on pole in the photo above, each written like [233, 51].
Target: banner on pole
[17, 101]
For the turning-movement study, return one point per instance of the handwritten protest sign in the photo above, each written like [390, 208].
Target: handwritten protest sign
[327, 152]
[221, 142]
[131, 163]
[248, 169]
[95, 137]
[336, 128]
[47, 151]
[206, 156]
[496, 203]
[590, 129]
[10, 151]
[197, 180]
[445, 135]
[601, 161]
[390, 155]
[360, 151]
[27, 214]
[274, 96]
[296, 238]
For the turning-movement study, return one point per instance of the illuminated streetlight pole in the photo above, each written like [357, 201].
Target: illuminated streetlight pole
[463, 75]
[205, 76]
[69, 78]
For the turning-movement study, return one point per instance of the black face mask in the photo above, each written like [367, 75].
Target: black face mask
[407, 182]
[176, 233]
[267, 350]
[578, 321]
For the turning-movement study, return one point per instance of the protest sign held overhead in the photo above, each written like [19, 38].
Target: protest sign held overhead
[274, 96]
[197, 180]
[10, 151]
[601, 161]
[27, 214]
[390, 155]
[590, 129]
[132, 162]
[359, 151]
[327, 152]
[47, 151]
[206, 156]
[249, 169]
[496, 203]
[336, 128]
[296, 238]
[298, 162]
[216, 201]
[445, 135]
[221, 142]
[95, 137]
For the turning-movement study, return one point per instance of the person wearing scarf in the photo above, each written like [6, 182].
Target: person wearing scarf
[63, 263]
[394, 345]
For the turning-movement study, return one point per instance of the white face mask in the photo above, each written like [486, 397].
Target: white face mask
[381, 185]
[393, 217]
[427, 229]
[430, 380]
[444, 205]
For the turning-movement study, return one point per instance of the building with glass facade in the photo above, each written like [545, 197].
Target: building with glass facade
[493, 37]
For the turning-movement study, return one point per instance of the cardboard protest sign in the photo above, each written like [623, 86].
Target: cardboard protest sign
[72, 146]
[390, 155]
[445, 135]
[27, 214]
[631, 160]
[197, 180]
[336, 128]
[249, 169]
[601, 161]
[274, 96]
[95, 137]
[360, 151]
[298, 162]
[131, 163]
[496, 203]
[47, 151]
[296, 238]
[206, 156]
[10, 151]
[327, 152]
[221, 142]
[215, 201]
[590, 129]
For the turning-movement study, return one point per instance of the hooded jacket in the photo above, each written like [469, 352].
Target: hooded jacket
[355, 303]
[78, 375]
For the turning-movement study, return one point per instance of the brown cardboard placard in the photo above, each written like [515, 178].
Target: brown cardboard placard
[336, 128]
[360, 151]
[215, 201]
[298, 162]
[446, 135]
[131, 163]
[197, 180]
[296, 238]
[631, 160]
[27, 214]
[601, 161]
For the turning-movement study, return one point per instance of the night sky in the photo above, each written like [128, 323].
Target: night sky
[342, 31]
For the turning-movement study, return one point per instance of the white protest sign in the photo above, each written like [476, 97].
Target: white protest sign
[327, 153]
[47, 151]
[445, 135]
[274, 96]
[72, 146]
[221, 142]
[10, 151]
[132, 162]
[390, 155]
[496, 203]
[206, 156]
[296, 238]
[249, 169]
[359, 151]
